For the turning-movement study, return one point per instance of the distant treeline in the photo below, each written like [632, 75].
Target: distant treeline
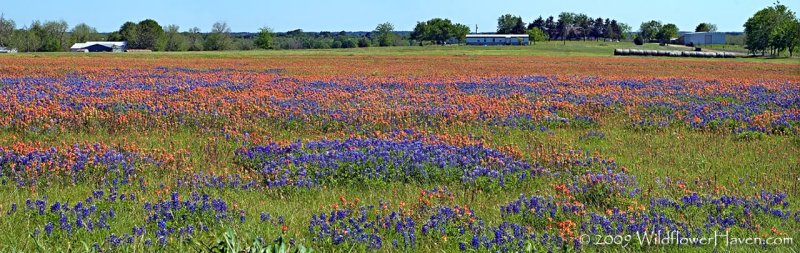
[50, 36]
[774, 29]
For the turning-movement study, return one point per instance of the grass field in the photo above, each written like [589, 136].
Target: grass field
[401, 149]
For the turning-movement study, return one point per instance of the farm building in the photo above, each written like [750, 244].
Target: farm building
[702, 38]
[100, 46]
[497, 39]
[6, 50]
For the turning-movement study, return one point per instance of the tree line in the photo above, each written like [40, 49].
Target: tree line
[54, 36]
[567, 26]
[772, 30]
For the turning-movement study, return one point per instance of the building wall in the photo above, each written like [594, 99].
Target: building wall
[496, 41]
[704, 38]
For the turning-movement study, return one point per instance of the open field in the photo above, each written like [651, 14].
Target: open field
[394, 150]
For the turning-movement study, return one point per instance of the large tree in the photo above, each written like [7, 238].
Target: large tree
[565, 25]
[50, 36]
[264, 38]
[7, 27]
[705, 27]
[536, 34]
[551, 28]
[510, 24]
[148, 34]
[219, 38]
[83, 33]
[439, 30]
[667, 32]
[385, 32]
[194, 39]
[537, 23]
[772, 29]
[649, 30]
[173, 40]
[129, 32]
[598, 28]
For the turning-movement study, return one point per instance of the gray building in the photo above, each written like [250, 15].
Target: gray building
[702, 38]
[497, 39]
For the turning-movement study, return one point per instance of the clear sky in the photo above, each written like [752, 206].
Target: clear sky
[364, 15]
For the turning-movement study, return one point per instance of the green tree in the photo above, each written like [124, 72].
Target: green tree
[148, 34]
[363, 42]
[83, 33]
[7, 27]
[705, 27]
[195, 39]
[510, 24]
[219, 38]
[264, 38]
[772, 29]
[622, 29]
[173, 40]
[439, 30]
[536, 34]
[385, 33]
[649, 30]
[51, 36]
[667, 32]
[129, 31]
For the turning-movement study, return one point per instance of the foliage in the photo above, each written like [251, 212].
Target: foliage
[195, 39]
[510, 24]
[537, 34]
[219, 38]
[83, 33]
[148, 33]
[173, 40]
[638, 40]
[650, 30]
[705, 27]
[363, 42]
[439, 31]
[229, 243]
[264, 38]
[667, 32]
[7, 27]
[774, 29]
[385, 33]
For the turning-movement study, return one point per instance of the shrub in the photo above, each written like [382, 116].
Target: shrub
[638, 41]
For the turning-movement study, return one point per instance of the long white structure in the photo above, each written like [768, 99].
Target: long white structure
[497, 39]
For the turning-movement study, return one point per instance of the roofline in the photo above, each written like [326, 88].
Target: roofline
[497, 35]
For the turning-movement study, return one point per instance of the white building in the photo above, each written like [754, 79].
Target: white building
[100, 46]
[6, 50]
[702, 38]
[497, 39]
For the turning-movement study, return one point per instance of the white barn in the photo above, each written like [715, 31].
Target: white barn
[702, 38]
[497, 39]
[100, 46]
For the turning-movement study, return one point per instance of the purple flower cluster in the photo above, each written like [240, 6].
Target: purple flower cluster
[79, 164]
[370, 161]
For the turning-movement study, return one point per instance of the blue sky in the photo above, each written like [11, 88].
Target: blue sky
[364, 15]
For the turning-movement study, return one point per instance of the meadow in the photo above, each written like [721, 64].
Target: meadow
[431, 149]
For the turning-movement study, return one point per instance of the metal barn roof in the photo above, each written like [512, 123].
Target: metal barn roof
[111, 44]
[497, 35]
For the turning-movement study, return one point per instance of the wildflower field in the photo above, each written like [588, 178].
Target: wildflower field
[397, 153]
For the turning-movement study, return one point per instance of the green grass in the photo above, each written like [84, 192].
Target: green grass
[679, 153]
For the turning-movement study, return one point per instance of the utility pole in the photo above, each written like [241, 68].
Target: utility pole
[476, 28]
